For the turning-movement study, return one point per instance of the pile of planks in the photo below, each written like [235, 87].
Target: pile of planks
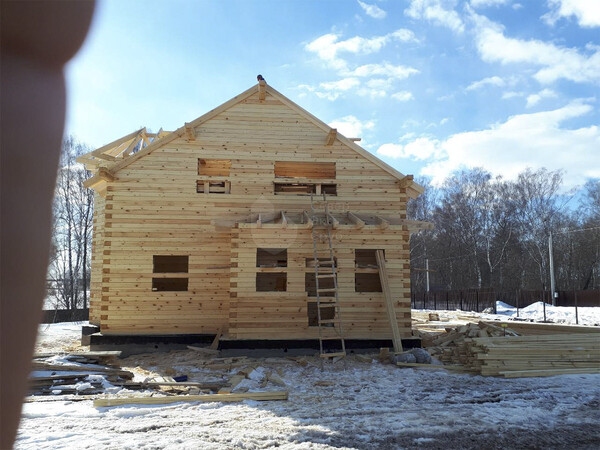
[80, 373]
[534, 356]
[491, 350]
[450, 347]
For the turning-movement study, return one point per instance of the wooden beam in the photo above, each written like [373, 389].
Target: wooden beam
[262, 90]
[260, 396]
[389, 302]
[105, 157]
[331, 136]
[383, 224]
[406, 181]
[190, 134]
[105, 174]
[114, 144]
[356, 220]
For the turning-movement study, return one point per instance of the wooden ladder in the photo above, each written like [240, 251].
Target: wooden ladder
[329, 329]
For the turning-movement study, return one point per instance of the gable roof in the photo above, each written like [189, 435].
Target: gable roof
[113, 163]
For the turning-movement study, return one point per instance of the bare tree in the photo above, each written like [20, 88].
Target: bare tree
[71, 240]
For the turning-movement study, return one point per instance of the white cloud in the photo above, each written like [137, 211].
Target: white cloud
[350, 126]
[372, 10]
[512, 94]
[420, 149]
[587, 12]
[534, 99]
[328, 46]
[490, 81]
[484, 3]
[385, 69]
[440, 12]
[341, 85]
[403, 96]
[555, 62]
[526, 140]
[379, 83]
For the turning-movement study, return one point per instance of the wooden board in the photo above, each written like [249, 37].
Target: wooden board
[227, 397]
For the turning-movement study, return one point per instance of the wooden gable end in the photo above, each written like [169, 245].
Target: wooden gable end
[253, 136]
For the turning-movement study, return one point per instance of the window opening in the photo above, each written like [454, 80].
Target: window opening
[213, 187]
[170, 263]
[271, 257]
[169, 284]
[271, 282]
[365, 259]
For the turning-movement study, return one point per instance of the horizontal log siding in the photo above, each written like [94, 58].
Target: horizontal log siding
[152, 208]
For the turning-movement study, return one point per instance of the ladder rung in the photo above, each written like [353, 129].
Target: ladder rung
[328, 275]
[331, 338]
[330, 321]
[325, 263]
[322, 304]
[327, 290]
[332, 355]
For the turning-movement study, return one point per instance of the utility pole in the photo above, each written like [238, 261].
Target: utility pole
[552, 282]
[427, 272]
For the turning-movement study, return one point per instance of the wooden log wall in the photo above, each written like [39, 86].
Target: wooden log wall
[270, 315]
[153, 208]
[96, 260]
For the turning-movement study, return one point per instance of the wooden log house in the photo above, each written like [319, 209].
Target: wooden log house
[210, 228]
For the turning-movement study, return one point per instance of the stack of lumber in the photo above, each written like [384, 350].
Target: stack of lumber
[533, 328]
[534, 356]
[490, 350]
[450, 347]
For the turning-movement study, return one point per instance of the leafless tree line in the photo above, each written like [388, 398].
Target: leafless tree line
[494, 233]
[69, 265]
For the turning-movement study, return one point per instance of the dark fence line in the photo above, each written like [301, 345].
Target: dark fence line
[480, 299]
[65, 315]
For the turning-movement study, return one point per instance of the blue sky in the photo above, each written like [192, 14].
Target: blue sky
[431, 86]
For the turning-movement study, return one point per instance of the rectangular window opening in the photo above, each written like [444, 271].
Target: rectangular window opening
[367, 282]
[169, 284]
[327, 313]
[295, 188]
[329, 189]
[310, 286]
[365, 259]
[213, 187]
[271, 257]
[271, 282]
[322, 170]
[214, 167]
[170, 263]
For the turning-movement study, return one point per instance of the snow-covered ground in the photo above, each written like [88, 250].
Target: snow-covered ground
[556, 314]
[367, 405]
[533, 312]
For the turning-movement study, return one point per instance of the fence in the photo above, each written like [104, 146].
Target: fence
[480, 299]
[65, 315]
